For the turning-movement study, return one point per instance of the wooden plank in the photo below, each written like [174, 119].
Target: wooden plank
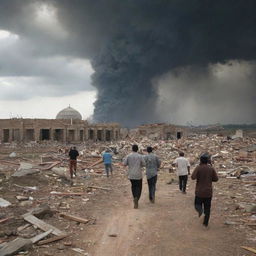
[4, 220]
[249, 249]
[51, 166]
[40, 236]
[15, 246]
[108, 189]
[96, 163]
[53, 239]
[75, 218]
[42, 225]
[55, 193]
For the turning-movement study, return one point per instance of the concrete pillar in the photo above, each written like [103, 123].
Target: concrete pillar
[37, 134]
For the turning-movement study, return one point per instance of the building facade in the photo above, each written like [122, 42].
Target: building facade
[68, 127]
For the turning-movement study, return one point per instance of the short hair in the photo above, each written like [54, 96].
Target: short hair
[181, 154]
[204, 159]
[149, 149]
[135, 148]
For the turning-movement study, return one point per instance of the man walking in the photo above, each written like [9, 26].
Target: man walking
[152, 165]
[107, 160]
[135, 162]
[73, 154]
[204, 174]
[183, 170]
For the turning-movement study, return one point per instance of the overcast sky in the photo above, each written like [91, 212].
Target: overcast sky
[35, 81]
[129, 61]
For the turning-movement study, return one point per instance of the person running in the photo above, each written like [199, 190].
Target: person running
[135, 162]
[204, 174]
[183, 170]
[73, 154]
[152, 165]
[107, 160]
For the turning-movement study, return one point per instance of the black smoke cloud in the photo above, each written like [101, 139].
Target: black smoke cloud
[130, 43]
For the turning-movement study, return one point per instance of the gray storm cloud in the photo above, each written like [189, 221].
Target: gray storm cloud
[135, 45]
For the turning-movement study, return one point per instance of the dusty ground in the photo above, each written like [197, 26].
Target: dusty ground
[168, 227]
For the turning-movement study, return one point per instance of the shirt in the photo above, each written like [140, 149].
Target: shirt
[107, 158]
[182, 165]
[73, 154]
[135, 162]
[204, 175]
[152, 165]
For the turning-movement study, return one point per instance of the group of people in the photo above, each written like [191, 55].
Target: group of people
[204, 174]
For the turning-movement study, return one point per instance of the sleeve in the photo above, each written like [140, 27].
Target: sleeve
[158, 162]
[175, 161]
[214, 175]
[188, 163]
[194, 174]
[125, 162]
[142, 162]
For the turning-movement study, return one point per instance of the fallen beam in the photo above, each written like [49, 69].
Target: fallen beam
[51, 240]
[15, 246]
[75, 218]
[55, 193]
[249, 249]
[108, 189]
[51, 166]
[4, 220]
[39, 237]
[42, 225]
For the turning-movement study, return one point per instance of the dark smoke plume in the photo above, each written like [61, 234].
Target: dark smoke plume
[132, 42]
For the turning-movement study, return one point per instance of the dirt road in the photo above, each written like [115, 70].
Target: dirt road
[168, 227]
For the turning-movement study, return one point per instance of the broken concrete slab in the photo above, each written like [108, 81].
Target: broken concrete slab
[15, 246]
[25, 172]
[41, 211]
[4, 203]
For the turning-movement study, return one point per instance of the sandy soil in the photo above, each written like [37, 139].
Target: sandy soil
[168, 227]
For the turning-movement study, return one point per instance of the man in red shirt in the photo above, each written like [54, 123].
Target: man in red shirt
[204, 174]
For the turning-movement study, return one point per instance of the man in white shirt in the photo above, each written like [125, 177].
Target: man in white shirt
[183, 170]
[135, 162]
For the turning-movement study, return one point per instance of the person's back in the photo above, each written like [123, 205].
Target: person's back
[182, 165]
[152, 164]
[73, 154]
[107, 158]
[204, 175]
[134, 161]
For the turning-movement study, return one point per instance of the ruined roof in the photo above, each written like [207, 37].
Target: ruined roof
[69, 113]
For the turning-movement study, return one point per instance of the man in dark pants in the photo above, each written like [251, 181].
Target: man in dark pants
[152, 165]
[204, 174]
[183, 170]
[135, 162]
[73, 154]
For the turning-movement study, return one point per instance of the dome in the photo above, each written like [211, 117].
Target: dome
[69, 113]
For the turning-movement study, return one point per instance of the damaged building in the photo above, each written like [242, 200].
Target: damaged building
[162, 131]
[67, 127]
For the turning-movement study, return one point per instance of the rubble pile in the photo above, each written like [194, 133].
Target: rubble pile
[40, 204]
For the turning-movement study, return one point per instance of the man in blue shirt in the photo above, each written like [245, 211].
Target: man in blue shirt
[107, 160]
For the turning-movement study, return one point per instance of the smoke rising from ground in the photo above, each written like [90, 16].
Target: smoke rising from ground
[133, 43]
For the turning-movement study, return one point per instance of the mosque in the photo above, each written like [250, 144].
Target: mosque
[68, 127]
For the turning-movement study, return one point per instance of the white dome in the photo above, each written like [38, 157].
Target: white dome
[69, 113]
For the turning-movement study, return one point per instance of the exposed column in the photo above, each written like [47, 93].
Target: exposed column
[37, 134]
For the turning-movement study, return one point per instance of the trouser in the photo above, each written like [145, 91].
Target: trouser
[136, 188]
[183, 182]
[108, 167]
[152, 187]
[72, 167]
[203, 205]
